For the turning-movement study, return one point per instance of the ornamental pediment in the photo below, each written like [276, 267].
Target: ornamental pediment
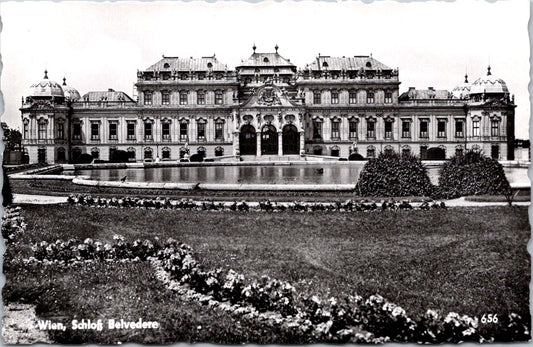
[269, 95]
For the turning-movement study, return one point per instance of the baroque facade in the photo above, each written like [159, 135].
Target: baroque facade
[266, 106]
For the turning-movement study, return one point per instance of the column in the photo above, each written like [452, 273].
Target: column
[280, 143]
[302, 142]
[236, 145]
[258, 136]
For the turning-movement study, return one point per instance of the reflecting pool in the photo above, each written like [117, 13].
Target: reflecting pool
[278, 174]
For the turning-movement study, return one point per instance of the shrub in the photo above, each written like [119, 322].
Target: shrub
[85, 158]
[356, 156]
[196, 158]
[393, 175]
[120, 156]
[7, 194]
[472, 174]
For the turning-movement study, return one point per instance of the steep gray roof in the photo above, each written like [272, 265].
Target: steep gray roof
[417, 94]
[273, 59]
[347, 63]
[109, 95]
[188, 64]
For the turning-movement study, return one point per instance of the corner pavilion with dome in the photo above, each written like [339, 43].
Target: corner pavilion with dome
[265, 109]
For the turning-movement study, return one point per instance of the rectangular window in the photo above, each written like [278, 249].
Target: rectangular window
[147, 131]
[147, 98]
[441, 128]
[424, 128]
[317, 97]
[353, 130]
[352, 96]
[183, 131]
[475, 128]
[183, 98]
[459, 128]
[165, 130]
[495, 152]
[113, 131]
[42, 131]
[60, 131]
[406, 129]
[200, 97]
[494, 128]
[219, 131]
[95, 131]
[201, 131]
[25, 130]
[388, 129]
[388, 97]
[371, 129]
[335, 134]
[131, 130]
[423, 152]
[165, 98]
[219, 97]
[317, 130]
[369, 97]
[334, 97]
[76, 131]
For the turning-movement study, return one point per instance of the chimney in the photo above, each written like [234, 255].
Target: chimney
[110, 90]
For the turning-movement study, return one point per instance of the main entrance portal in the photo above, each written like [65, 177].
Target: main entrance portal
[248, 140]
[291, 140]
[269, 140]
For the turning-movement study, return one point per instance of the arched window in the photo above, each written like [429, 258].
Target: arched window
[148, 154]
[335, 129]
[200, 97]
[219, 151]
[335, 151]
[265, 60]
[388, 150]
[201, 151]
[166, 66]
[184, 152]
[317, 150]
[95, 153]
[200, 128]
[165, 153]
[406, 151]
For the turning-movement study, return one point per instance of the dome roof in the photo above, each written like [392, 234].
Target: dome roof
[46, 87]
[463, 90]
[489, 85]
[70, 92]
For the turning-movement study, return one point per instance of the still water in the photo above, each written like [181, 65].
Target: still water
[294, 174]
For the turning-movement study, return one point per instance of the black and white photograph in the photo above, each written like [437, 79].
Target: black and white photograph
[265, 172]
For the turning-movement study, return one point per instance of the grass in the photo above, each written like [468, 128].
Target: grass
[468, 260]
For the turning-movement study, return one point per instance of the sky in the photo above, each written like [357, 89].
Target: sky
[97, 46]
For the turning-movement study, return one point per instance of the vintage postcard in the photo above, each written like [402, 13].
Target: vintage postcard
[290, 172]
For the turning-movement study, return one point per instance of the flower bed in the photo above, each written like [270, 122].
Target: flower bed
[268, 206]
[12, 224]
[348, 319]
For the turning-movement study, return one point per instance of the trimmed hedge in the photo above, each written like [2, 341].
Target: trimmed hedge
[472, 174]
[392, 174]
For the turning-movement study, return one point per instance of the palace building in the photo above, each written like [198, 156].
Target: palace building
[347, 107]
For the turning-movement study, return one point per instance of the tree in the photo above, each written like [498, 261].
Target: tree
[12, 138]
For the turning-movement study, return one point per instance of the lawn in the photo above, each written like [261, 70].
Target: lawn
[468, 260]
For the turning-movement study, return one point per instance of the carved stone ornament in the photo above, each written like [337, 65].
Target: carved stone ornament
[247, 119]
[268, 97]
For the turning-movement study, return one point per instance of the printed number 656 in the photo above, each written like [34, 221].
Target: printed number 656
[489, 318]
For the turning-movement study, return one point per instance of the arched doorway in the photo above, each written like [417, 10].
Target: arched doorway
[269, 140]
[248, 140]
[436, 153]
[291, 139]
